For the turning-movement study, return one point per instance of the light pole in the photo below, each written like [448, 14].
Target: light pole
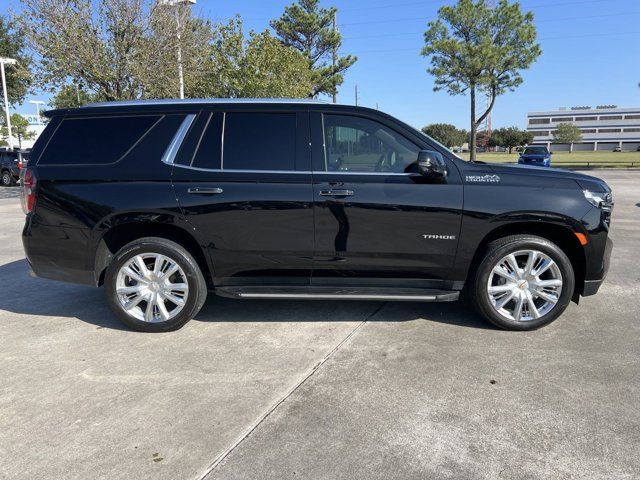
[8, 61]
[176, 4]
[37, 103]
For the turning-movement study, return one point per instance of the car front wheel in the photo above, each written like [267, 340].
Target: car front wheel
[154, 285]
[523, 282]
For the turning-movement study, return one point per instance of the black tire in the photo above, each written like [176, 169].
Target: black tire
[7, 179]
[497, 250]
[197, 286]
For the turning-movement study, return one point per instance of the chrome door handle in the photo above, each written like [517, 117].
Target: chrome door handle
[336, 193]
[205, 190]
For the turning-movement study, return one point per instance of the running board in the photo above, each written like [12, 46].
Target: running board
[339, 293]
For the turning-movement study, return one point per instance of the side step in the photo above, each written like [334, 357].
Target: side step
[340, 293]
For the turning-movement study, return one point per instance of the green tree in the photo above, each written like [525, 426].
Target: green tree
[567, 133]
[447, 134]
[18, 77]
[309, 29]
[71, 96]
[19, 129]
[475, 48]
[257, 66]
[117, 49]
[510, 137]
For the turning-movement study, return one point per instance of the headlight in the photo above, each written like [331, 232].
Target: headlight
[601, 200]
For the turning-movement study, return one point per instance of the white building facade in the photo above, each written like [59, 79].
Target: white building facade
[603, 128]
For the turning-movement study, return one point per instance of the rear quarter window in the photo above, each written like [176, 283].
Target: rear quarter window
[95, 140]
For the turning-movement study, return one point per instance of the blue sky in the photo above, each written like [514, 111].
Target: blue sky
[591, 56]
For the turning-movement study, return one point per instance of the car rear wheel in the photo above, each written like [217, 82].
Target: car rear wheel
[155, 285]
[7, 178]
[523, 282]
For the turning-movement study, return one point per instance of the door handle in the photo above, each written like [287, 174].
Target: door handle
[205, 190]
[336, 193]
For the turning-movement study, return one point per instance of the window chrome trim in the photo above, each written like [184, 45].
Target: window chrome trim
[170, 153]
[224, 125]
[299, 172]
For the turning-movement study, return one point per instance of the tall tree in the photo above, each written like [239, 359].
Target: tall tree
[309, 29]
[255, 66]
[12, 45]
[19, 129]
[477, 48]
[447, 134]
[71, 96]
[117, 49]
[567, 133]
[510, 137]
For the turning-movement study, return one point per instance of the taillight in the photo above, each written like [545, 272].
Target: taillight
[28, 195]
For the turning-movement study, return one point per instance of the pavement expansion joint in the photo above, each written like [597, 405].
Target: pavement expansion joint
[289, 392]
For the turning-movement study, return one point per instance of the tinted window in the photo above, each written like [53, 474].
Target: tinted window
[259, 141]
[536, 151]
[96, 140]
[210, 144]
[356, 144]
[202, 145]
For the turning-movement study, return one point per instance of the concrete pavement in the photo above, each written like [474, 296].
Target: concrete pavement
[260, 389]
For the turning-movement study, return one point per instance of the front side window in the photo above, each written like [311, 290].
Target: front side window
[259, 141]
[357, 144]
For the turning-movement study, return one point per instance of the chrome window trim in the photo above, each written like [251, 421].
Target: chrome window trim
[224, 125]
[170, 153]
[300, 172]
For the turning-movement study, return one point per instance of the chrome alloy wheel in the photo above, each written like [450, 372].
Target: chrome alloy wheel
[524, 285]
[152, 287]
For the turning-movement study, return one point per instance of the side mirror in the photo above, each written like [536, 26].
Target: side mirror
[432, 165]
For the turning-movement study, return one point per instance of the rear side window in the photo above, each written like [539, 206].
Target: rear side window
[259, 141]
[202, 146]
[95, 140]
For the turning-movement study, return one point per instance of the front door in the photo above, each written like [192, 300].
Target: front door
[243, 181]
[377, 221]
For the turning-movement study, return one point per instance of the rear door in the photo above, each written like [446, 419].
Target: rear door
[377, 220]
[242, 178]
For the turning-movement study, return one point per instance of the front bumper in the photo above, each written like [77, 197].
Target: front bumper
[591, 287]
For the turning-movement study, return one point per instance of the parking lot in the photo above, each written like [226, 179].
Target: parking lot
[322, 390]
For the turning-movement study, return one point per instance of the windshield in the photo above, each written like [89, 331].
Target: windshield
[535, 151]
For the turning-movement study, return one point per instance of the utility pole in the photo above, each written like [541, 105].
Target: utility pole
[176, 4]
[334, 59]
[8, 61]
[356, 94]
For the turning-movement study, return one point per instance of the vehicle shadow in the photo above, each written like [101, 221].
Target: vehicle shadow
[26, 295]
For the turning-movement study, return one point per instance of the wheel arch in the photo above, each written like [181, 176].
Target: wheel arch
[116, 237]
[563, 236]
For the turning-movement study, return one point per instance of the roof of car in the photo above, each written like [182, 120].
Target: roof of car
[180, 104]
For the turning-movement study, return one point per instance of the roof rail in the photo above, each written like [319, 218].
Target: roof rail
[207, 101]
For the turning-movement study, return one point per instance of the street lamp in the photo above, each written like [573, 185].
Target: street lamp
[176, 4]
[37, 103]
[8, 61]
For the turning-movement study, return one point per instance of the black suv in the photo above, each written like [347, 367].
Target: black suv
[163, 201]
